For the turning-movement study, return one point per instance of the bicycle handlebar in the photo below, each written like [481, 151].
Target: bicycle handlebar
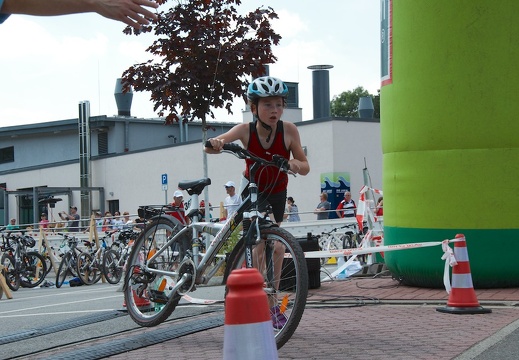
[277, 160]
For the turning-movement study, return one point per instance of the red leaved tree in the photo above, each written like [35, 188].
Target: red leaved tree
[204, 54]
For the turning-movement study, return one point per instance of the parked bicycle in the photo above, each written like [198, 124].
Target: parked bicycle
[90, 262]
[69, 262]
[343, 237]
[51, 257]
[21, 267]
[114, 259]
[165, 262]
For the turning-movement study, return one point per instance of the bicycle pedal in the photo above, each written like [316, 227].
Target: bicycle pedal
[158, 296]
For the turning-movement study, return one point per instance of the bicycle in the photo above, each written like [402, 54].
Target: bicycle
[165, 262]
[21, 267]
[114, 259]
[336, 240]
[69, 262]
[51, 256]
[90, 264]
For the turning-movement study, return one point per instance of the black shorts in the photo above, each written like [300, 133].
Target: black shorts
[276, 202]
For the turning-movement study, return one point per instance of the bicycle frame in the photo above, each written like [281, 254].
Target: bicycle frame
[220, 232]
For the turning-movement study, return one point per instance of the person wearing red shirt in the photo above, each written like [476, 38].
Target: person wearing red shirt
[266, 136]
[179, 213]
[347, 207]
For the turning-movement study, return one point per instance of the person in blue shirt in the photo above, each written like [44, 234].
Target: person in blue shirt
[131, 12]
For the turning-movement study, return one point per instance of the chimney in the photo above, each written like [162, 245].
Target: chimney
[123, 100]
[366, 108]
[321, 90]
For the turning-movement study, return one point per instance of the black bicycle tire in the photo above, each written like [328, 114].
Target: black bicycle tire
[43, 271]
[48, 263]
[236, 259]
[157, 317]
[7, 274]
[64, 268]
[111, 269]
[84, 264]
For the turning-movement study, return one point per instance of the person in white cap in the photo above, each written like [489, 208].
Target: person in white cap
[232, 201]
[178, 202]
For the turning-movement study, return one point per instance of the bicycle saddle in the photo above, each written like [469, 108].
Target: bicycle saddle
[194, 186]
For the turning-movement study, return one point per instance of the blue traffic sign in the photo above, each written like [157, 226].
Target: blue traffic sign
[164, 179]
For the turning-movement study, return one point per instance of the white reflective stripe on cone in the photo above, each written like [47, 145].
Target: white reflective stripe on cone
[249, 341]
[461, 254]
[462, 281]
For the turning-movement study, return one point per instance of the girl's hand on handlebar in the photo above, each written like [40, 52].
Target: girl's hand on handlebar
[214, 144]
[294, 166]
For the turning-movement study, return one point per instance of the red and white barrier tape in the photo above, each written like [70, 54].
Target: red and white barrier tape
[448, 255]
[361, 206]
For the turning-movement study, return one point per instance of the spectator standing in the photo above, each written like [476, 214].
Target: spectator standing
[127, 221]
[44, 222]
[292, 214]
[380, 207]
[201, 209]
[12, 225]
[140, 221]
[232, 200]
[72, 218]
[323, 207]
[178, 202]
[347, 207]
[107, 221]
[117, 222]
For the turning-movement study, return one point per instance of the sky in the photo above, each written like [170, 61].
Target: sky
[50, 64]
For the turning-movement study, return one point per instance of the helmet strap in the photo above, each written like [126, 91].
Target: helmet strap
[266, 127]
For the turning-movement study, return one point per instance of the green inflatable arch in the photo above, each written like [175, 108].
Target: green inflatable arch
[450, 137]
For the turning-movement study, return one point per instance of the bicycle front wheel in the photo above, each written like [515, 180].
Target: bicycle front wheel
[111, 269]
[88, 269]
[12, 277]
[280, 259]
[33, 270]
[148, 297]
[63, 269]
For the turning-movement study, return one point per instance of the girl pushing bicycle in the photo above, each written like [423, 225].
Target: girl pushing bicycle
[265, 137]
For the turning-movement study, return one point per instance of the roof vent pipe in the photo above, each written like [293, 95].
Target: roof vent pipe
[366, 108]
[123, 100]
[321, 90]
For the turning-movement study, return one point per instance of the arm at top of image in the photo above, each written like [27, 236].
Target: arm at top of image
[130, 12]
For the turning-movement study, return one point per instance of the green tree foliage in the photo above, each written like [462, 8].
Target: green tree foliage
[203, 57]
[347, 103]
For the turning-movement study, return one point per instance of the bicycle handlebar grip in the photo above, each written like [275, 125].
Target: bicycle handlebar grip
[281, 162]
[230, 146]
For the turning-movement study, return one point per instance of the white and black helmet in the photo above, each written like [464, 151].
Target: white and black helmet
[266, 86]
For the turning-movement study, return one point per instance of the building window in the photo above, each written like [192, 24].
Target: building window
[102, 143]
[7, 155]
[293, 95]
[113, 206]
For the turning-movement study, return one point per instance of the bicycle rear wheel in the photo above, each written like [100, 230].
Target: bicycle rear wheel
[88, 269]
[33, 270]
[286, 280]
[12, 277]
[111, 269]
[147, 302]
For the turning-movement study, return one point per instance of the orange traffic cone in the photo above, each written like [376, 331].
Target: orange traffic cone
[248, 331]
[462, 298]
